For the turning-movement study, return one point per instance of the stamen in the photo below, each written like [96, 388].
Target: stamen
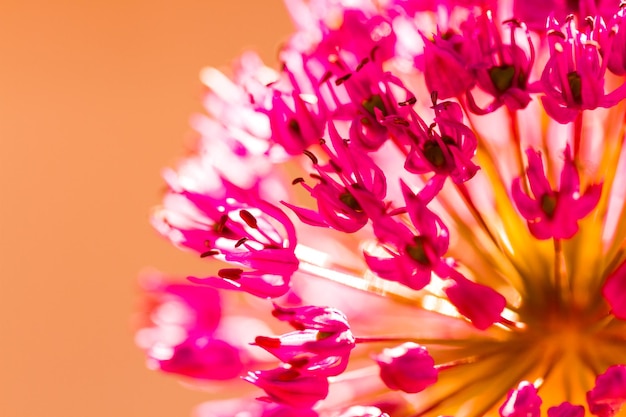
[433, 97]
[362, 63]
[575, 85]
[502, 77]
[342, 79]
[311, 156]
[249, 219]
[230, 273]
[512, 325]
[409, 102]
[457, 363]
[348, 199]
[209, 253]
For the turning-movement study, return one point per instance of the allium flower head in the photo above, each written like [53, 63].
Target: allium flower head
[421, 213]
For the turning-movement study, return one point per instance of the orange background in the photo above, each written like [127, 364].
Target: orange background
[94, 100]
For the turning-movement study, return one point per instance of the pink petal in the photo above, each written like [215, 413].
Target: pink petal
[407, 368]
[253, 282]
[522, 402]
[566, 409]
[528, 208]
[561, 114]
[288, 387]
[539, 184]
[609, 393]
[482, 305]
[570, 181]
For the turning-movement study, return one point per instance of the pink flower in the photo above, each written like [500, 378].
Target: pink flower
[536, 12]
[447, 66]
[522, 402]
[413, 257]
[502, 70]
[573, 79]
[615, 46]
[295, 125]
[434, 195]
[238, 226]
[408, 368]
[447, 153]
[358, 36]
[325, 319]
[482, 305]
[321, 346]
[371, 98]
[566, 410]
[609, 393]
[180, 336]
[554, 214]
[337, 203]
[287, 386]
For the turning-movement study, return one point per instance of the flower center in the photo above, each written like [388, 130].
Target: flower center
[417, 251]
[575, 85]
[434, 153]
[548, 204]
[566, 347]
[374, 102]
[349, 200]
[502, 77]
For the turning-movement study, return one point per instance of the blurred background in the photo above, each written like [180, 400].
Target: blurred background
[95, 97]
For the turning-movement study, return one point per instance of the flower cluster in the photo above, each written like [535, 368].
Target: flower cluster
[423, 212]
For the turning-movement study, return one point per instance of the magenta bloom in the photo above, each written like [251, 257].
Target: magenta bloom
[408, 368]
[535, 12]
[447, 65]
[295, 125]
[479, 303]
[502, 69]
[287, 386]
[554, 214]
[615, 45]
[238, 226]
[573, 79]
[321, 346]
[609, 393]
[338, 205]
[181, 338]
[371, 98]
[566, 410]
[522, 402]
[413, 256]
[447, 153]
[433, 196]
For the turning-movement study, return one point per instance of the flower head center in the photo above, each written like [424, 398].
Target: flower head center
[434, 153]
[548, 204]
[374, 102]
[349, 200]
[575, 86]
[502, 77]
[417, 250]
